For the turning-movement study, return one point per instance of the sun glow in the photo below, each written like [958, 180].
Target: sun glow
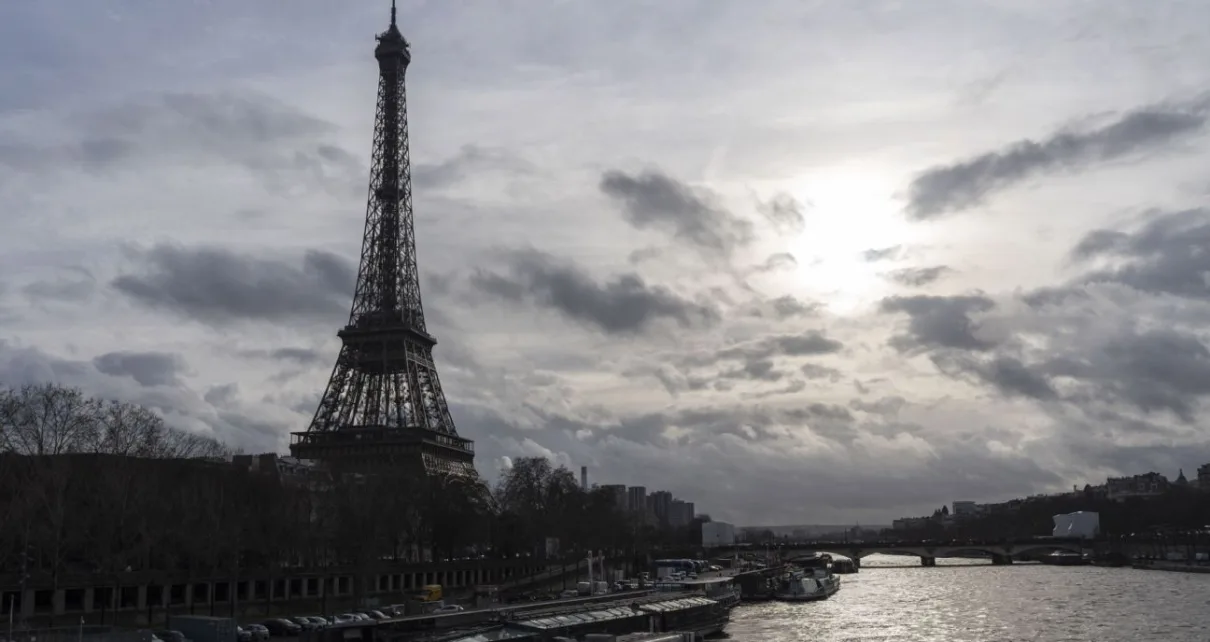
[852, 209]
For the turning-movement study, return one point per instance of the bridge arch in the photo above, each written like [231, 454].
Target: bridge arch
[1066, 548]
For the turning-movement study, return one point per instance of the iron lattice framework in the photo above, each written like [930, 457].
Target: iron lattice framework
[383, 407]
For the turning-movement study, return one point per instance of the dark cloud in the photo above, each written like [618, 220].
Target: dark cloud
[784, 307]
[1154, 370]
[967, 183]
[939, 321]
[787, 306]
[816, 371]
[653, 200]
[822, 411]
[787, 214]
[882, 254]
[218, 286]
[756, 370]
[919, 276]
[888, 406]
[299, 356]
[469, 161]
[1006, 374]
[223, 394]
[1168, 254]
[808, 343]
[645, 254]
[625, 304]
[1051, 295]
[147, 368]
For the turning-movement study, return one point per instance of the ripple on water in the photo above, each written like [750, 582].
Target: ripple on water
[888, 601]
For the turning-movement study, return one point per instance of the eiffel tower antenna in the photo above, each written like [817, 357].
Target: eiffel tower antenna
[383, 408]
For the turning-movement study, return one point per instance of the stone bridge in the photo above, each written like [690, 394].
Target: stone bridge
[1000, 551]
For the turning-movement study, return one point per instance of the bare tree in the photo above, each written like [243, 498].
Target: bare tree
[47, 419]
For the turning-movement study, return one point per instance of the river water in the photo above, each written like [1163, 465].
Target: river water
[894, 600]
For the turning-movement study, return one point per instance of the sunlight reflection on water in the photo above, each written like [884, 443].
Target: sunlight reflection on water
[893, 600]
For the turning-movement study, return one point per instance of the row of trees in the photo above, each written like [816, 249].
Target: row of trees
[106, 487]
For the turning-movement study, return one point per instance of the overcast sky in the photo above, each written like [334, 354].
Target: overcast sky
[799, 262]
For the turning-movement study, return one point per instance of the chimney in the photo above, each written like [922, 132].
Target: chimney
[584, 478]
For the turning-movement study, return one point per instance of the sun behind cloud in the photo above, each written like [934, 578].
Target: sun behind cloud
[852, 209]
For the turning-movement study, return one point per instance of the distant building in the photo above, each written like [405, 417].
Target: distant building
[636, 499]
[964, 509]
[1180, 479]
[660, 503]
[618, 493]
[680, 513]
[1145, 485]
[1203, 477]
[290, 471]
[716, 534]
[584, 478]
[910, 523]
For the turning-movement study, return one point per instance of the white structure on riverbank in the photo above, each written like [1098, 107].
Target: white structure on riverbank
[1083, 524]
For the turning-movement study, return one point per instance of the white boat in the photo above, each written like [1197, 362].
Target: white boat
[807, 585]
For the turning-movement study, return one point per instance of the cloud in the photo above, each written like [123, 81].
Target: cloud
[812, 342]
[815, 371]
[918, 276]
[182, 231]
[219, 286]
[74, 285]
[625, 304]
[470, 161]
[147, 368]
[1006, 374]
[939, 321]
[154, 379]
[787, 214]
[651, 199]
[298, 356]
[882, 254]
[279, 144]
[965, 184]
[1166, 255]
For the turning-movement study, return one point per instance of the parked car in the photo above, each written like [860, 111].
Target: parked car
[242, 634]
[259, 632]
[282, 627]
[346, 617]
[318, 621]
[449, 608]
[306, 624]
[172, 636]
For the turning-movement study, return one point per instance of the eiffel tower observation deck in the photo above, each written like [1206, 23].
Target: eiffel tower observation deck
[383, 409]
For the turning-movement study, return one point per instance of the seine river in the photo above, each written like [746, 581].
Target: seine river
[892, 600]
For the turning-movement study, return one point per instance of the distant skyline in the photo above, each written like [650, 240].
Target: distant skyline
[825, 262]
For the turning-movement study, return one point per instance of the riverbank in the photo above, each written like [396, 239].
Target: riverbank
[1172, 567]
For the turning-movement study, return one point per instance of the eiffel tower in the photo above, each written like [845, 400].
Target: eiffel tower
[383, 409]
